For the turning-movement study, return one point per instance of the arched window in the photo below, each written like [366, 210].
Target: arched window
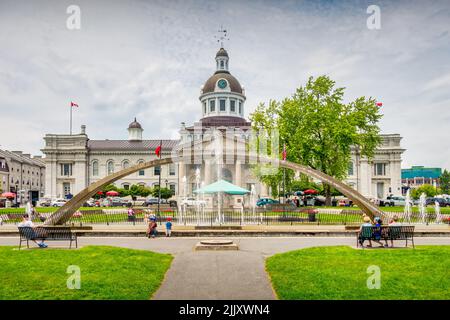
[95, 168]
[141, 172]
[125, 164]
[110, 167]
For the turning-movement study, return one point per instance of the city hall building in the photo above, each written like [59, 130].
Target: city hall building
[75, 161]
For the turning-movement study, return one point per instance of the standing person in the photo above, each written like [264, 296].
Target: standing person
[169, 227]
[131, 216]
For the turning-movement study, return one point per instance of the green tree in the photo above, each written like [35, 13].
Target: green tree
[444, 182]
[166, 193]
[428, 189]
[319, 129]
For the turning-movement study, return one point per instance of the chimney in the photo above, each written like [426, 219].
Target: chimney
[83, 129]
[183, 126]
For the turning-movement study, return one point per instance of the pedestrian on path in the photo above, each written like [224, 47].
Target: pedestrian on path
[169, 227]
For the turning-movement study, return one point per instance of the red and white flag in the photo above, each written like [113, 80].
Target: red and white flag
[158, 151]
[379, 104]
[73, 104]
[284, 152]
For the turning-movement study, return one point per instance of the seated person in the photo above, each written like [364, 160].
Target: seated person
[377, 233]
[367, 223]
[28, 223]
[394, 223]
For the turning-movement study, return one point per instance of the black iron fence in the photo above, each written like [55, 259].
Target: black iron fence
[211, 217]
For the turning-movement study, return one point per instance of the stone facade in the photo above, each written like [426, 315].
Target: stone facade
[25, 175]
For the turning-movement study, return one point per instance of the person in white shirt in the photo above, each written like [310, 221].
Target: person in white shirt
[28, 223]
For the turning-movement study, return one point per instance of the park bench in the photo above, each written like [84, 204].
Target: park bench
[386, 233]
[47, 233]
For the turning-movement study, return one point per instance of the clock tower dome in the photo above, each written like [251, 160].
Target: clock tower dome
[222, 95]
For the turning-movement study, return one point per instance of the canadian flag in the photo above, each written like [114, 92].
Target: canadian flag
[158, 150]
[73, 104]
[379, 104]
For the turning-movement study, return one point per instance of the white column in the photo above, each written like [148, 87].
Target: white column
[238, 173]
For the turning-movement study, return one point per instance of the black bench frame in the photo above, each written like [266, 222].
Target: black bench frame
[47, 233]
[386, 233]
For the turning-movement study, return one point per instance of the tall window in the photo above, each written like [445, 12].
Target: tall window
[157, 171]
[222, 103]
[379, 169]
[240, 107]
[204, 107]
[172, 188]
[66, 169]
[141, 172]
[171, 169]
[126, 186]
[110, 167]
[233, 105]
[125, 164]
[350, 168]
[212, 105]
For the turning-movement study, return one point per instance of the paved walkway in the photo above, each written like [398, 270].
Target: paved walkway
[220, 275]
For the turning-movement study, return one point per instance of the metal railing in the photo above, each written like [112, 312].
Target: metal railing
[211, 217]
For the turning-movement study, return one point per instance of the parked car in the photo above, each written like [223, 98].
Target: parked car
[394, 201]
[45, 202]
[442, 202]
[118, 202]
[58, 202]
[150, 201]
[193, 202]
[265, 201]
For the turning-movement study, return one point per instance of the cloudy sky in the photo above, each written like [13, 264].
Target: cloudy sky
[149, 59]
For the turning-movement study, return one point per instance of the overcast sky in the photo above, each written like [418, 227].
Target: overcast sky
[149, 59]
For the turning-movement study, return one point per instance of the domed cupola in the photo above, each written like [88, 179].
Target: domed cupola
[222, 94]
[135, 131]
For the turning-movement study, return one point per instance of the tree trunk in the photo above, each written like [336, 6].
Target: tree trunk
[327, 190]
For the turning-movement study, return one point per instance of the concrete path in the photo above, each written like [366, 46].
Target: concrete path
[220, 275]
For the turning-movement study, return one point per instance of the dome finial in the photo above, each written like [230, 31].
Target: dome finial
[222, 35]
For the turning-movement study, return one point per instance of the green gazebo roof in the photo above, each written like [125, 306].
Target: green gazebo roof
[222, 186]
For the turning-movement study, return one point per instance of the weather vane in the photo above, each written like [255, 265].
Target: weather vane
[222, 34]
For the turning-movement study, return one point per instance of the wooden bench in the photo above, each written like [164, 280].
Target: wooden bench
[47, 233]
[386, 233]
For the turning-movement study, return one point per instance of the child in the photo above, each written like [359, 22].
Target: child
[168, 227]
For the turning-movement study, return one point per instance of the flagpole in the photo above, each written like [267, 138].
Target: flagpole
[70, 106]
[159, 183]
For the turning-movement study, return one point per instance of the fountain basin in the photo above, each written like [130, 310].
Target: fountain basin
[216, 244]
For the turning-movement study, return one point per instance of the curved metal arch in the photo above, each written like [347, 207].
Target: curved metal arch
[64, 213]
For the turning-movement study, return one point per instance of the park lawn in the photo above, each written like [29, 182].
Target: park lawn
[335, 273]
[106, 273]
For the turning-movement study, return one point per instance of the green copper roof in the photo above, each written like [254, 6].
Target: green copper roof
[421, 172]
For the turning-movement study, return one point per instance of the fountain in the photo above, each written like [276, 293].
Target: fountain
[253, 202]
[218, 156]
[197, 195]
[28, 211]
[407, 209]
[422, 207]
[437, 210]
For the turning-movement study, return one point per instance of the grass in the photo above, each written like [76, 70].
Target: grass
[341, 273]
[106, 273]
